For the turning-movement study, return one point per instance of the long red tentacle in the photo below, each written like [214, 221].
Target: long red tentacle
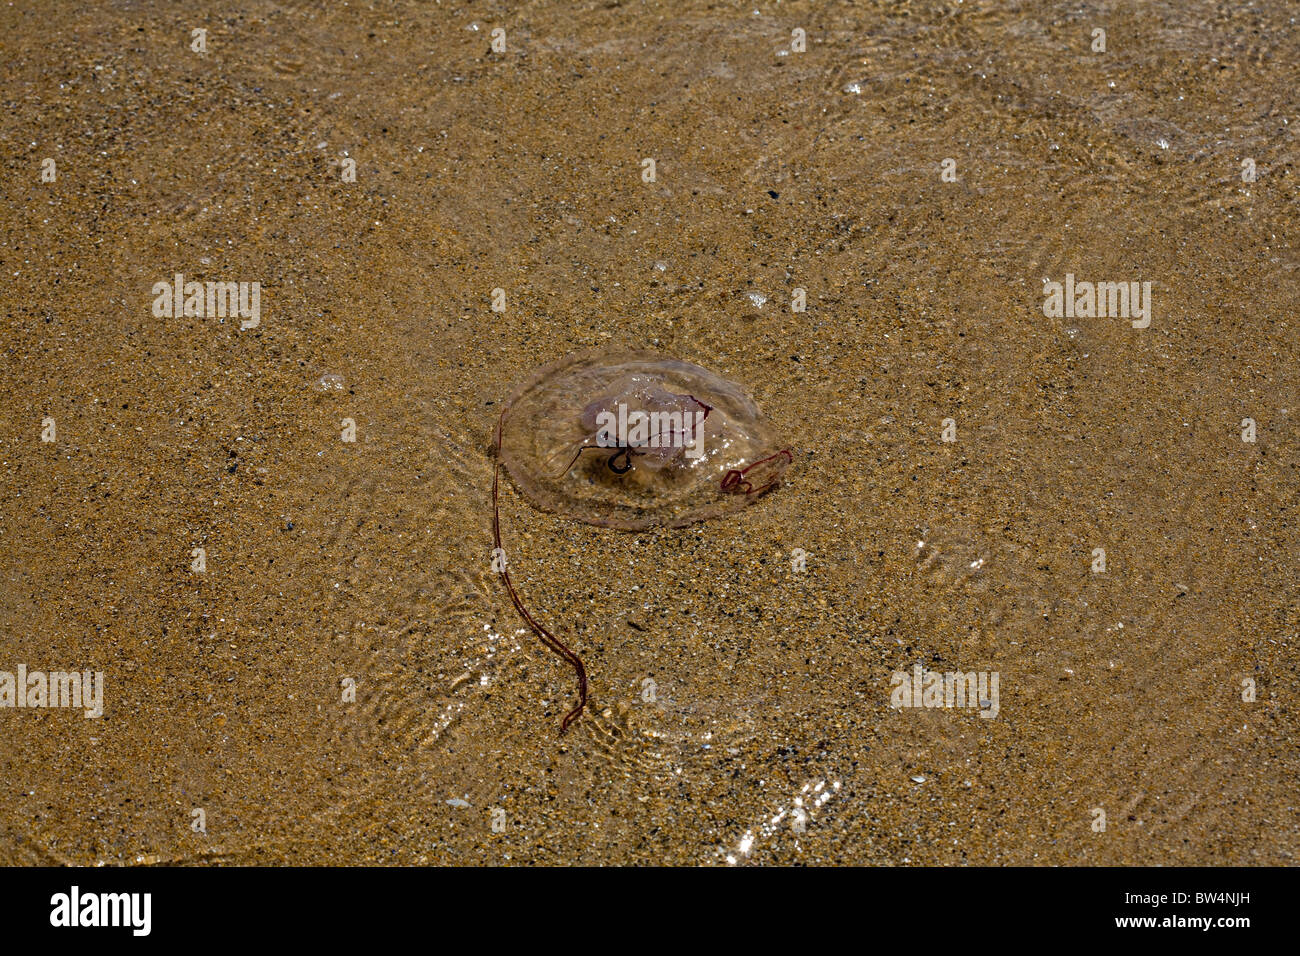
[550, 640]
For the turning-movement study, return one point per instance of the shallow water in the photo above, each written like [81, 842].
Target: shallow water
[765, 733]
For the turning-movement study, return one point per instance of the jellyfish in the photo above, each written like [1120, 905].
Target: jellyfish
[630, 440]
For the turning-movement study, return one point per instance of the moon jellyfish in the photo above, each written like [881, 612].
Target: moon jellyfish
[630, 440]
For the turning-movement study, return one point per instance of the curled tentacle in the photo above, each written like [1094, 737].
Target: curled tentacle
[758, 476]
[626, 454]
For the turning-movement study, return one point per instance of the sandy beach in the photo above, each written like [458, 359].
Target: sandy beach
[903, 227]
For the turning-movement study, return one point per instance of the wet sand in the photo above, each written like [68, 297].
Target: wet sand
[766, 732]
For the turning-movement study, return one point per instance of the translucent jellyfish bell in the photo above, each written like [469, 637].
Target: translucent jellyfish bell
[637, 440]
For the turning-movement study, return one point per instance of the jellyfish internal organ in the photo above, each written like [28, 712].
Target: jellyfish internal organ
[640, 413]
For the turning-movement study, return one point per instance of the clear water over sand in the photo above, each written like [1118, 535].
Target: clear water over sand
[741, 708]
